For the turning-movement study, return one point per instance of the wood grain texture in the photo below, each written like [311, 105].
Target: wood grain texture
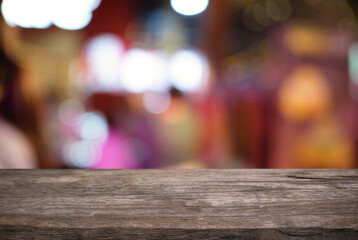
[179, 204]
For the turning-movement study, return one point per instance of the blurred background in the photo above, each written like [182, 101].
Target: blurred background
[178, 84]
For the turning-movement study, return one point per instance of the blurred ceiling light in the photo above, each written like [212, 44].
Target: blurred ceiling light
[189, 7]
[143, 71]
[188, 70]
[104, 55]
[156, 102]
[66, 14]
[353, 63]
[69, 110]
[92, 126]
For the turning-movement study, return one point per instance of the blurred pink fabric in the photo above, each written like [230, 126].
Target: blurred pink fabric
[116, 153]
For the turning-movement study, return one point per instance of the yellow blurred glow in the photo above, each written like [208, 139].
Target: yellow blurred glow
[177, 113]
[192, 164]
[189, 7]
[304, 95]
[324, 146]
[303, 40]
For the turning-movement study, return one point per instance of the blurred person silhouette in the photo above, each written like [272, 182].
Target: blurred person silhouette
[21, 142]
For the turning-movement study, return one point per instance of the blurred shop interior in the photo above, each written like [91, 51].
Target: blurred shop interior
[134, 84]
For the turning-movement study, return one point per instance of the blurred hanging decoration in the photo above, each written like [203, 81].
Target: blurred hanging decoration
[304, 95]
[65, 14]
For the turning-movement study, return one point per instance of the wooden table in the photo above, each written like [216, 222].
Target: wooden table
[179, 204]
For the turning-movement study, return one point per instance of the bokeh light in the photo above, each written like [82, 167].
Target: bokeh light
[189, 7]
[81, 154]
[65, 14]
[156, 102]
[304, 95]
[104, 56]
[175, 83]
[26, 14]
[143, 71]
[92, 126]
[188, 70]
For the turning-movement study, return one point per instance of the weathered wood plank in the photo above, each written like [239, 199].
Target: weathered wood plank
[179, 204]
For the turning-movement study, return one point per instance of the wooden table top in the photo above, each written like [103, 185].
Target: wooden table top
[179, 204]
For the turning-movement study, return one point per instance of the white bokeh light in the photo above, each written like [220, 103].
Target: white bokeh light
[66, 14]
[73, 15]
[81, 154]
[92, 126]
[73, 21]
[26, 14]
[143, 71]
[188, 70]
[104, 55]
[189, 7]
